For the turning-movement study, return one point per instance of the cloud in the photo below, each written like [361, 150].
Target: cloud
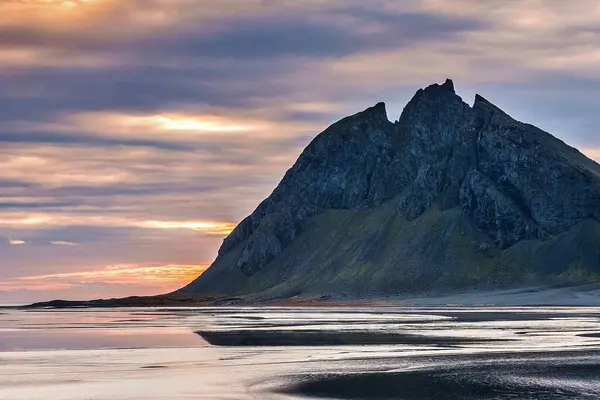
[194, 54]
[169, 127]
[38, 221]
[63, 243]
[158, 277]
[242, 29]
[208, 227]
[149, 140]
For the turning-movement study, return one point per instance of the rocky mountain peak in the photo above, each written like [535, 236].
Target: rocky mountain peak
[376, 114]
[449, 195]
[436, 88]
[487, 113]
[379, 109]
[433, 104]
[449, 84]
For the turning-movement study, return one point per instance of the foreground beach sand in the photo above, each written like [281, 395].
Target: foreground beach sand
[428, 352]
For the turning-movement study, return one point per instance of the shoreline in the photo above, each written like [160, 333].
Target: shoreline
[571, 296]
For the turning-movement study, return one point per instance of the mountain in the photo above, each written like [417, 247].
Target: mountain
[449, 197]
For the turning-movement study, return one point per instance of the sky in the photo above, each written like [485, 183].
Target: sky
[135, 134]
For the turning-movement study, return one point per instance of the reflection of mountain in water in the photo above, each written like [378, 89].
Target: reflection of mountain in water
[303, 337]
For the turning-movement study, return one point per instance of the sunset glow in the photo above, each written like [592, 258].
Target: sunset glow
[213, 228]
[130, 124]
[157, 277]
[64, 220]
[592, 153]
[190, 124]
[139, 133]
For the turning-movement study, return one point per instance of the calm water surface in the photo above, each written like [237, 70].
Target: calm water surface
[301, 353]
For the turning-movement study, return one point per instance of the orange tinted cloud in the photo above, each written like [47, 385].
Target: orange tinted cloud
[10, 286]
[183, 126]
[208, 227]
[160, 277]
[42, 220]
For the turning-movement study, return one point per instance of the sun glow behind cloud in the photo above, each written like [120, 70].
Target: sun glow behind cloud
[40, 220]
[142, 129]
[191, 124]
[52, 12]
[60, 4]
[146, 276]
[208, 227]
[173, 122]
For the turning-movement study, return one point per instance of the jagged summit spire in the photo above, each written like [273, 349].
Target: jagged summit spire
[448, 84]
[446, 87]
[378, 108]
[486, 111]
[480, 100]
[432, 100]
[377, 112]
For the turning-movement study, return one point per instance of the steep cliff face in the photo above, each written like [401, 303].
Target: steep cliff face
[449, 196]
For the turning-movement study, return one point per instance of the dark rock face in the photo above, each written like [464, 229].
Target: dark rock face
[496, 181]
[493, 212]
[333, 172]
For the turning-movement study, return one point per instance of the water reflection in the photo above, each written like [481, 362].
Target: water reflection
[283, 353]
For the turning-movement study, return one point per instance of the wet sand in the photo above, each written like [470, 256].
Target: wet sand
[562, 376]
[279, 353]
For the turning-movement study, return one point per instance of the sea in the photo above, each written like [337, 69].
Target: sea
[237, 353]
